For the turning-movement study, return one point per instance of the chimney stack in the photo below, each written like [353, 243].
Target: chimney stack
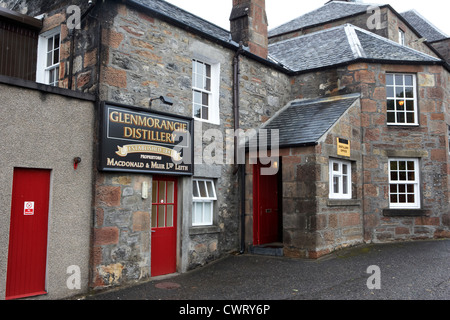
[248, 23]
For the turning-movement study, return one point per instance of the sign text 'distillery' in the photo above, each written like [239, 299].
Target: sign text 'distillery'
[143, 141]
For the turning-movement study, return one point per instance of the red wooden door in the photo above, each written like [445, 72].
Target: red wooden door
[27, 253]
[164, 226]
[265, 212]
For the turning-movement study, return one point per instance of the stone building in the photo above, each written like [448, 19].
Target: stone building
[362, 123]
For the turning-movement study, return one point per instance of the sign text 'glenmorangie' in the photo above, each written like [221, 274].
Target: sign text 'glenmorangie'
[144, 141]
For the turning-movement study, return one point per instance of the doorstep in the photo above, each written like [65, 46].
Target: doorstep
[268, 249]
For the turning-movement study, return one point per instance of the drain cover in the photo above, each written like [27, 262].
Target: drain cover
[167, 285]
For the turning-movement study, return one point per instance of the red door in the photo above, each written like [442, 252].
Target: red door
[164, 226]
[27, 253]
[265, 207]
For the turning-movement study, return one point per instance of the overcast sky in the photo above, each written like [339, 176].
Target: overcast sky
[281, 11]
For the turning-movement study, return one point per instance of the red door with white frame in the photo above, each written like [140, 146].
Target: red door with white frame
[164, 226]
[27, 251]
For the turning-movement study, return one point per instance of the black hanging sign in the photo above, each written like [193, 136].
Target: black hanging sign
[141, 140]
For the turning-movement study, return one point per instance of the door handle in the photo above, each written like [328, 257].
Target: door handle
[268, 210]
[153, 230]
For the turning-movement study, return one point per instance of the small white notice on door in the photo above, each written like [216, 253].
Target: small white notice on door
[28, 209]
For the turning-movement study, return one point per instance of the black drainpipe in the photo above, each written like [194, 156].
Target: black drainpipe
[238, 167]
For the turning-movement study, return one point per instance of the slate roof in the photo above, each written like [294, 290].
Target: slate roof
[338, 45]
[330, 11]
[189, 20]
[304, 122]
[423, 26]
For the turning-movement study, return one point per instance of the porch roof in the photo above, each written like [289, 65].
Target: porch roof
[304, 122]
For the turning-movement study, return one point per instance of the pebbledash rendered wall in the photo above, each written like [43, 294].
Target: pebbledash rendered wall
[43, 127]
[428, 141]
[143, 56]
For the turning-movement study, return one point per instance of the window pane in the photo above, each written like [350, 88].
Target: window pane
[393, 188]
[402, 188]
[344, 169]
[56, 43]
[398, 80]
[205, 113]
[162, 192]
[211, 191]
[402, 165]
[400, 117]
[198, 80]
[49, 44]
[207, 213]
[197, 213]
[408, 80]
[195, 189]
[56, 56]
[393, 165]
[402, 198]
[154, 216]
[399, 93]
[410, 165]
[394, 198]
[411, 176]
[49, 58]
[169, 222]
[411, 198]
[197, 97]
[335, 184]
[154, 191]
[202, 187]
[410, 188]
[170, 191]
[205, 99]
[394, 176]
[208, 70]
[197, 110]
[410, 117]
[208, 84]
[344, 184]
[400, 105]
[402, 176]
[409, 92]
[335, 166]
[410, 105]
[161, 216]
[51, 77]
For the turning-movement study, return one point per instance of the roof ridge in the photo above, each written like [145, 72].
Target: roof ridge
[308, 35]
[353, 40]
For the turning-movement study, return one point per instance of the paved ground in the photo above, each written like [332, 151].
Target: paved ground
[407, 270]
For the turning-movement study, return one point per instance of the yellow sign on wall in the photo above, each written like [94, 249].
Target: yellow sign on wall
[343, 147]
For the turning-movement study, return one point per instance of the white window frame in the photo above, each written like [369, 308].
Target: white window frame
[400, 107]
[199, 87]
[43, 70]
[401, 182]
[339, 175]
[203, 200]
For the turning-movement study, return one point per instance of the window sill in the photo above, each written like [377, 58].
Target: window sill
[203, 230]
[343, 202]
[405, 212]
